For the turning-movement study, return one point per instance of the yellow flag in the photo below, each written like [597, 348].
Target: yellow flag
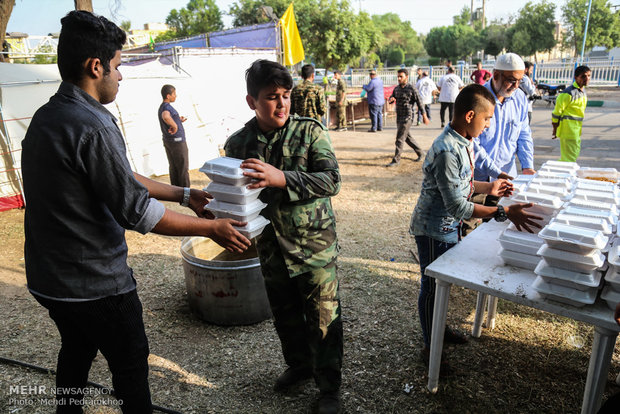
[292, 47]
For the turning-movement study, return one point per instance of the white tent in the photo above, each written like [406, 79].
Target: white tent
[210, 93]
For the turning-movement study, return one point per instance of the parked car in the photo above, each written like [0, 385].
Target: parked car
[319, 74]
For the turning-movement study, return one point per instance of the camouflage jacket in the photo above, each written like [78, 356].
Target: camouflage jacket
[341, 89]
[308, 99]
[303, 225]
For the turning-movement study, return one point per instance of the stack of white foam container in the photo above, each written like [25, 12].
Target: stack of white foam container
[611, 291]
[572, 259]
[232, 198]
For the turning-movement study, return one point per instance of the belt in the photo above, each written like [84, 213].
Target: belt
[572, 118]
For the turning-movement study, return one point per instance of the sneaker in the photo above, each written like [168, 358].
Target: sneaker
[442, 125]
[291, 377]
[379, 129]
[454, 337]
[418, 123]
[341, 129]
[329, 403]
[420, 156]
[371, 130]
[392, 164]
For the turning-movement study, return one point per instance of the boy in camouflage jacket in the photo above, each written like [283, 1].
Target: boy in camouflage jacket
[294, 160]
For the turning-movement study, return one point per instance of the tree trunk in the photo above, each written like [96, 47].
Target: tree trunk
[6, 7]
[84, 5]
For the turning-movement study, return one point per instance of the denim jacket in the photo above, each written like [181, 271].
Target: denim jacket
[447, 186]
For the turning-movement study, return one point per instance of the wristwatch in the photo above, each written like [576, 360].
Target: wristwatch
[500, 214]
[185, 202]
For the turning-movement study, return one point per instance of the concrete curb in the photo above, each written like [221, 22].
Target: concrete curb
[604, 104]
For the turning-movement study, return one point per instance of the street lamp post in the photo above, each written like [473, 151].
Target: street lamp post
[585, 32]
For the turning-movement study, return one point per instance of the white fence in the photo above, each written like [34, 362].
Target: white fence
[604, 73]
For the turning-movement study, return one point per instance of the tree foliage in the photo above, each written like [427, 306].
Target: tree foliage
[395, 35]
[199, 16]
[452, 41]
[494, 39]
[603, 28]
[250, 12]
[125, 25]
[533, 30]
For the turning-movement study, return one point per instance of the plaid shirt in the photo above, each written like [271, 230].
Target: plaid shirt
[406, 96]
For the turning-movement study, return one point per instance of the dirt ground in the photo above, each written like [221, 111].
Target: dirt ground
[531, 362]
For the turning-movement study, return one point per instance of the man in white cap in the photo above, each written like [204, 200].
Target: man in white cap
[508, 136]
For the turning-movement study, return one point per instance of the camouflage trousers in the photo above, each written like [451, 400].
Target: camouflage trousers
[306, 311]
[342, 115]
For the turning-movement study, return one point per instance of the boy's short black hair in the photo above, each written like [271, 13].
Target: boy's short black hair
[264, 73]
[528, 64]
[166, 90]
[472, 98]
[307, 71]
[83, 36]
[580, 70]
[405, 71]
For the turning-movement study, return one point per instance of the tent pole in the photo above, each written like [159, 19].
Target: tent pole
[4, 134]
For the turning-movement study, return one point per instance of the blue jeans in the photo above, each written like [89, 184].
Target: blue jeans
[376, 118]
[428, 250]
[427, 109]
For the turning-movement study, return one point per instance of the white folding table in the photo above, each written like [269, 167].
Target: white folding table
[475, 264]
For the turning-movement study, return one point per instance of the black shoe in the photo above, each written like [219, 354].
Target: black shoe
[379, 129]
[371, 130]
[442, 125]
[329, 403]
[420, 156]
[291, 377]
[454, 337]
[392, 164]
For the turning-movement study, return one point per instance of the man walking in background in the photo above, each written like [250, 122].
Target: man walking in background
[405, 97]
[449, 86]
[173, 134]
[568, 114]
[480, 75]
[427, 89]
[528, 87]
[375, 97]
[341, 101]
[308, 99]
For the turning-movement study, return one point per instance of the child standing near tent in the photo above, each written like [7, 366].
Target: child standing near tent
[294, 159]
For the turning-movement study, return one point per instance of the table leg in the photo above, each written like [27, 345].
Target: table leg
[353, 116]
[491, 312]
[440, 312]
[600, 358]
[480, 304]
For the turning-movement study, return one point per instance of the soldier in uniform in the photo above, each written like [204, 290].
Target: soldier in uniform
[293, 158]
[308, 99]
[341, 101]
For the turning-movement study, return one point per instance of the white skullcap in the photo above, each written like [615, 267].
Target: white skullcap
[509, 61]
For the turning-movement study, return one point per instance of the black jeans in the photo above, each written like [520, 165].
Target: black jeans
[442, 111]
[114, 326]
[403, 135]
[178, 162]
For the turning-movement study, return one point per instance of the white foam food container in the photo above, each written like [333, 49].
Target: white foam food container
[559, 191]
[611, 297]
[573, 239]
[598, 173]
[593, 205]
[544, 204]
[596, 195]
[563, 164]
[554, 174]
[594, 223]
[241, 212]
[226, 170]
[588, 212]
[575, 280]
[232, 193]
[523, 178]
[584, 263]
[612, 277]
[613, 257]
[565, 294]
[520, 241]
[558, 169]
[521, 260]
[596, 185]
[254, 227]
[553, 182]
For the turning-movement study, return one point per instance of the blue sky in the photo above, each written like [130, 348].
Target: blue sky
[40, 17]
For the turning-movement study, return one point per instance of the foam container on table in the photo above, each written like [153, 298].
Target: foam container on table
[226, 170]
[612, 277]
[559, 191]
[577, 262]
[588, 212]
[555, 174]
[593, 223]
[544, 204]
[573, 166]
[565, 294]
[521, 260]
[594, 173]
[592, 205]
[596, 195]
[520, 241]
[611, 297]
[254, 227]
[573, 239]
[232, 193]
[241, 212]
[613, 256]
[569, 278]
[593, 185]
